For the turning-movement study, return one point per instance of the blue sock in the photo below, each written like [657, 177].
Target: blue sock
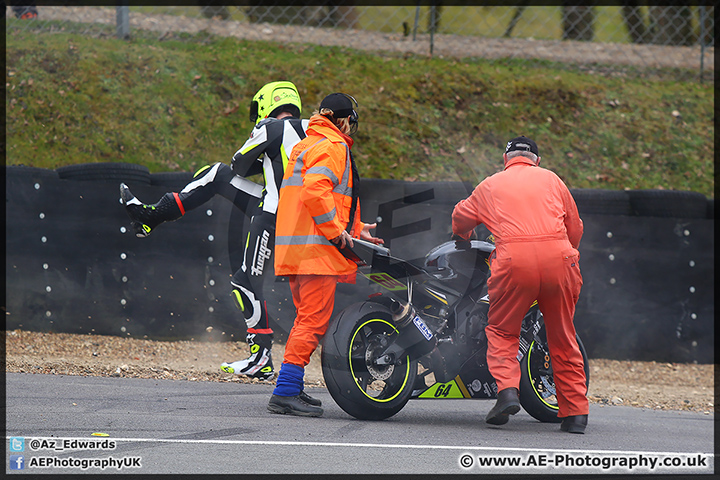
[290, 380]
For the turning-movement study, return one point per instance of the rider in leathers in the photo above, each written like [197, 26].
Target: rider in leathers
[276, 110]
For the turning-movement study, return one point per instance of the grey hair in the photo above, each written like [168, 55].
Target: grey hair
[522, 153]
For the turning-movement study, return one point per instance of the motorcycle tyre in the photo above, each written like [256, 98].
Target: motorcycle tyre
[529, 399]
[336, 366]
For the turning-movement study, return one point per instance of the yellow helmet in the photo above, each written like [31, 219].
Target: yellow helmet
[273, 95]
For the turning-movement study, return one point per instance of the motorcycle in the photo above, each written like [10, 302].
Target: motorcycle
[423, 336]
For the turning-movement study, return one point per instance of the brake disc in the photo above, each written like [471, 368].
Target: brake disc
[374, 349]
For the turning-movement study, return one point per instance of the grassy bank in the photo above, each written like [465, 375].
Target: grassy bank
[176, 105]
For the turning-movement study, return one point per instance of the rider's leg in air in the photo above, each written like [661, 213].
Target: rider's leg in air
[219, 179]
[206, 183]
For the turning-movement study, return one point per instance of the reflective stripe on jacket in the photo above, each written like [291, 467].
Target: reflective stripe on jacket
[315, 203]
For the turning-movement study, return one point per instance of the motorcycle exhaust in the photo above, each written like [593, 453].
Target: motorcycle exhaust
[415, 336]
[402, 315]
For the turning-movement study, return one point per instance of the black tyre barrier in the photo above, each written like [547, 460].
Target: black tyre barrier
[603, 202]
[668, 203]
[445, 193]
[648, 288]
[25, 171]
[106, 171]
[174, 181]
[380, 190]
[74, 265]
[711, 209]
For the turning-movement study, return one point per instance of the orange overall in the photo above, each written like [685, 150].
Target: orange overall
[314, 207]
[537, 229]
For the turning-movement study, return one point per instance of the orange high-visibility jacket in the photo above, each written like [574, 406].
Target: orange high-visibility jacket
[524, 202]
[315, 202]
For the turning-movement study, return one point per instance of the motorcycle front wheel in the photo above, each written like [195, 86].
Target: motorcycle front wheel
[359, 382]
[537, 385]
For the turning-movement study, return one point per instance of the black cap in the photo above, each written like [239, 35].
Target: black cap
[340, 103]
[522, 144]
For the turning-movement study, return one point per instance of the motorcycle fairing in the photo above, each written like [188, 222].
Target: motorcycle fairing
[453, 389]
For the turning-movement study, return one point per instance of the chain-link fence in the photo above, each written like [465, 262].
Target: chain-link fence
[626, 37]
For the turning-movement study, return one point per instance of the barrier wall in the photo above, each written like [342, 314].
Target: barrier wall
[74, 265]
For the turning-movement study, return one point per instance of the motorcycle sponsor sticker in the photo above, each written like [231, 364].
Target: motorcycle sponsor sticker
[490, 391]
[481, 389]
[523, 347]
[422, 327]
[385, 280]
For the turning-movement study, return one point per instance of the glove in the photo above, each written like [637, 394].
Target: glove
[458, 238]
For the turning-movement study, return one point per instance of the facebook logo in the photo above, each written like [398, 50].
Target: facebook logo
[17, 444]
[17, 462]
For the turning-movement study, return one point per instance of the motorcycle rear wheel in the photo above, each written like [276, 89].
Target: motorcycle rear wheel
[537, 385]
[358, 384]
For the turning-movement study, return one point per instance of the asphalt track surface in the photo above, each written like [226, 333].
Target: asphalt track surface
[199, 428]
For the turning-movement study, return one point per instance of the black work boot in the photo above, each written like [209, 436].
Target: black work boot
[144, 218]
[293, 406]
[574, 424]
[508, 403]
[308, 399]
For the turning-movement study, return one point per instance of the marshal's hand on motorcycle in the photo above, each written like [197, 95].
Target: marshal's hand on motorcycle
[365, 234]
[343, 239]
[458, 238]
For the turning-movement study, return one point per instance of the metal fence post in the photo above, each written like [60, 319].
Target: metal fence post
[122, 19]
[702, 41]
[432, 27]
[417, 16]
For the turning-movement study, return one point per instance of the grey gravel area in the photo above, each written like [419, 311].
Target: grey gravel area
[652, 385]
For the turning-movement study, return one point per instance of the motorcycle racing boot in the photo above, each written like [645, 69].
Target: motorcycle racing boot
[259, 363]
[143, 217]
[508, 403]
[574, 424]
[293, 406]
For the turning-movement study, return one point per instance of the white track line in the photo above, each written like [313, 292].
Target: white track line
[366, 445]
